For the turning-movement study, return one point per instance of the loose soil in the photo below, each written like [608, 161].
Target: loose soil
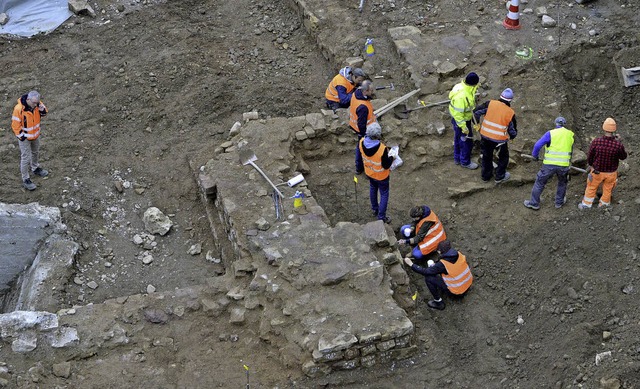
[135, 95]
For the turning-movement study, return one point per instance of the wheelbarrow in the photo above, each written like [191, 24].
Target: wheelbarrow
[247, 156]
[402, 112]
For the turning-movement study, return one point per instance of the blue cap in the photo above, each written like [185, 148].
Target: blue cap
[507, 94]
[560, 121]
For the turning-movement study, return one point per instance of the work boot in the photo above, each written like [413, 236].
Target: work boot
[564, 200]
[28, 184]
[41, 172]
[471, 166]
[436, 304]
[386, 220]
[527, 203]
[374, 212]
[582, 206]
[506, 177]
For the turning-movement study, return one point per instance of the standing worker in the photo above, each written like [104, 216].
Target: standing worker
[463, 101]
[604, 155]
[341, 87]
[25, 123]
[425, 232]
[451, 273]
[374, 156]
[361, 115]
[557, 159]
[497, 127]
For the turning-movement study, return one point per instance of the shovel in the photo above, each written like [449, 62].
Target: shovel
[402, 112]
[247, 156]
[571, 167]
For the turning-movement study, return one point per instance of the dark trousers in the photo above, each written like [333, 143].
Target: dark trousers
[462, 145]
[488, 146]
[359, 163]
[436, 285]
[376, 186]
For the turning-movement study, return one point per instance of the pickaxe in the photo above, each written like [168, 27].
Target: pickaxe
[390, 87]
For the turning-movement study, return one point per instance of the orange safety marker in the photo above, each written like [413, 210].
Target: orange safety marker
[512, 21]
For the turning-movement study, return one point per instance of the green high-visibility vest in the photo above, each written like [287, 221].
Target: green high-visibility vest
[559, 152]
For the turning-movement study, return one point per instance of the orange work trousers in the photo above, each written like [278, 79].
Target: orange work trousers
[608, 181]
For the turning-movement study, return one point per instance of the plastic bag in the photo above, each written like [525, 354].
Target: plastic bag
[397, 162]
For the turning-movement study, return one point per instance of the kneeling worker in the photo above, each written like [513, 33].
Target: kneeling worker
[425, 232]
[451, 273]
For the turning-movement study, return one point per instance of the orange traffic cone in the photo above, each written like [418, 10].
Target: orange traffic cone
[512, 21]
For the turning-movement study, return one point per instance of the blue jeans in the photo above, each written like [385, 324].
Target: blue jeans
[462, 148]
[383, 187]
[545, 173]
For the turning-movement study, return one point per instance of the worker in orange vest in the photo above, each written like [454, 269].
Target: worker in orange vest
[450, 273]
[374, 156]
[497, 127]
[424, 233]
[25, 123]
[341, 87]
[361, 115]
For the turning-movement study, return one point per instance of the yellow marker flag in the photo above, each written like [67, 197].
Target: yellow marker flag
[355, 179]
[415, 296]
[246, 367]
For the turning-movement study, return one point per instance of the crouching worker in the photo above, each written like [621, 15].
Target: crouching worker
[425, 232]
[450, 273]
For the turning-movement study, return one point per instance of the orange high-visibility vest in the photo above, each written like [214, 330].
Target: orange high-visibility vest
[373, 165]
[496, 121]
[353, 118]
[339, 80]
[25, 121]
[459, 278]
[434, 236]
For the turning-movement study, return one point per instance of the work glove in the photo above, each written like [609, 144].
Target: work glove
[476, 127]
[463, 138]
[535, 158]
[408, 261]
[403, 241]
[22, 136]
[464, 129]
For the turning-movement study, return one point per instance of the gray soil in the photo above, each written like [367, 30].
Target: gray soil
[138, 98]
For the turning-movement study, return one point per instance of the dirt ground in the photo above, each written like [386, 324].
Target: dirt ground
[135, 95]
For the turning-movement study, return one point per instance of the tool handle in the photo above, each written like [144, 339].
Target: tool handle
[266, 178]
[527, 156]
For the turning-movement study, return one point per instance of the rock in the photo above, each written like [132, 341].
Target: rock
[151, 289]
[120, 8]
[572, 293]
[329, 343]
[4, 19]
[81, 7]
[147, 258]
[520, 320]
[235, 129]
[118, 185]
[253, 115]
[273, 255]
[609, 383]
[316, 121]
[262, 224]
[601, 356]
[548, 21]
[156, 316]
[137, 239]
[62, 369]
[593, 32]
[606, 335]
[237, 316]
[541, 11]
[446, 68]
[25, 343]
[155, 222]
[195, 249]
[627, 289]
[92, 285]
[375, 232]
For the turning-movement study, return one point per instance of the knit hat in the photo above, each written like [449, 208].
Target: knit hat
[472, 79]
[560, 122]
[609, 125]
[507, 94]
[444, 246]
